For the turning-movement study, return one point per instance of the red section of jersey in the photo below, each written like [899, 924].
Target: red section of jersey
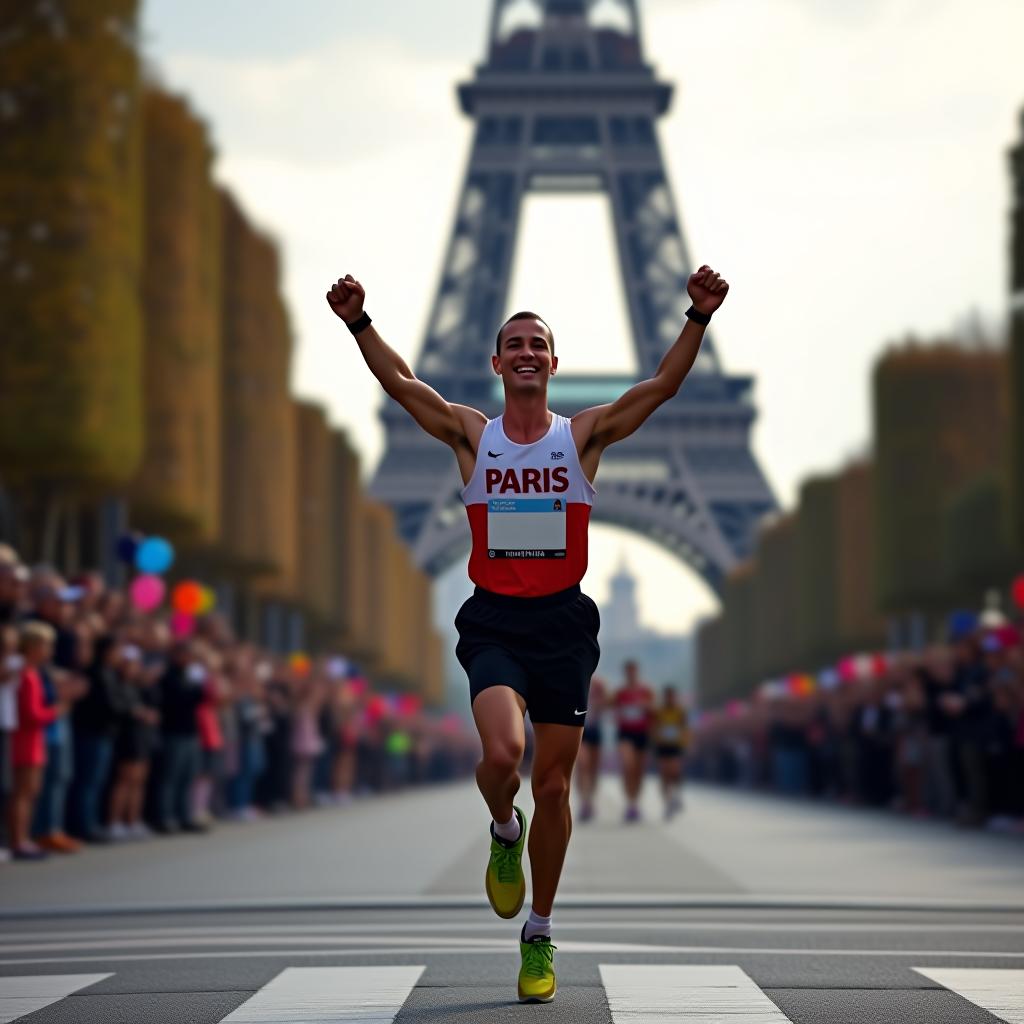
[529, 577]
[634, 708]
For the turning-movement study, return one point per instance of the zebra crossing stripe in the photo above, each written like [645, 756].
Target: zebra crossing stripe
[1000, 990]
[26, 994]
[329, 995]
[688, 994]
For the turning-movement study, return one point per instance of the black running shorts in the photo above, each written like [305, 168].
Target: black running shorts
[638, 739]
[544, 648]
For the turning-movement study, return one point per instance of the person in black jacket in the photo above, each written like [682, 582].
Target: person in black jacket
[181, 690]
[136, 734]
[95, 721]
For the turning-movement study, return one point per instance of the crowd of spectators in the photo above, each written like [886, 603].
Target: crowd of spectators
[112, 728]
[938, 733]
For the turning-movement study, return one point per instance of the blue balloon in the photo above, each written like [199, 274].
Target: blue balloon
[127, 546]
[155, 555]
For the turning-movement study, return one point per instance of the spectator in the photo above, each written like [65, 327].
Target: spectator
[307, 743]
[96, 719]
[182, 690]
[29, 742]
[136, 724]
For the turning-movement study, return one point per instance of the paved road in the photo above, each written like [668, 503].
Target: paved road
[745, 909]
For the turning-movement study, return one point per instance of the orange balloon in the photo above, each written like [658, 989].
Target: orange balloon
[187, 597]
[300, 663]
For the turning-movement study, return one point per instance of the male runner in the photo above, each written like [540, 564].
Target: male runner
[634, 709]
[670, 733]
[528, 636]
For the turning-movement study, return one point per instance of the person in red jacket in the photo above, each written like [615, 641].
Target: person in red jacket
[28, 746]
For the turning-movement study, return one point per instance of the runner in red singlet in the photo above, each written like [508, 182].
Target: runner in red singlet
[634, 712]
[528, 635]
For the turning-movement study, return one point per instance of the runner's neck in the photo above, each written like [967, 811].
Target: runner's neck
[526, 420]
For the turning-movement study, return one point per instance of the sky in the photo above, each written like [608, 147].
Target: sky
[841, 162]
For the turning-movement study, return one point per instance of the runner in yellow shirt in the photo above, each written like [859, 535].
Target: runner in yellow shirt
[670, 733]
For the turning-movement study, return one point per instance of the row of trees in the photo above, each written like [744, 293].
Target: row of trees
[146, 355]
[885, 549]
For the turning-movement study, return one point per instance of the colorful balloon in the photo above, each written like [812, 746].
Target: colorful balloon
[154, 555]
[147, 592]
[209, 601]
[300, 663]
[187, 597]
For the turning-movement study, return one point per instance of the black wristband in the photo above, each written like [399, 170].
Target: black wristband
[359, 325]
[698, 317]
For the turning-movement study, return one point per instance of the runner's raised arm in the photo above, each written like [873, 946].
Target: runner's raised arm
[457, 425]
[602, 425]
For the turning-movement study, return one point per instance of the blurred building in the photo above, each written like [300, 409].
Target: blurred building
[941, 430]
[178, 487]
[71, 244]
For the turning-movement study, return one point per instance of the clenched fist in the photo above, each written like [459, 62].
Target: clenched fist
[707, 290]
[346, 298]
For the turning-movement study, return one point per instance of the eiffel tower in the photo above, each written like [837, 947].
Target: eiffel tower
[566, 103]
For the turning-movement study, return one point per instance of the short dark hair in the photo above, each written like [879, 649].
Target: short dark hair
[523, 314]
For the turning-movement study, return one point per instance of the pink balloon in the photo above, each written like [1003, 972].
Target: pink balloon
[147, 592]
[182, 625]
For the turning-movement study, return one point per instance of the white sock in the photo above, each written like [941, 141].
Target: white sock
[509, 830]
[536, 925]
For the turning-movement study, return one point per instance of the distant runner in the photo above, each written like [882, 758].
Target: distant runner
[670, 733]
[634, 709]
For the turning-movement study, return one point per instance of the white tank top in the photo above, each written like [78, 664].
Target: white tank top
[529, 510]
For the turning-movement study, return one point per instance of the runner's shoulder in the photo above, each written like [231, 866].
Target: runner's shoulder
[472, 421]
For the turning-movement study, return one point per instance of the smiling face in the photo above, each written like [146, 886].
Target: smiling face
[525, 360]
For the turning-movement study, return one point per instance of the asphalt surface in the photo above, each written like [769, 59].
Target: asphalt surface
[341, 915]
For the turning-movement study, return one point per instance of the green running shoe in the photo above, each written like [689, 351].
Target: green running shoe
[504, 881]
[537, 975]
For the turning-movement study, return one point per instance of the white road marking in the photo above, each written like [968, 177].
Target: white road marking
[644, 994]
[67, 938]
[1000, 991]
[330, 995]
[22, 995]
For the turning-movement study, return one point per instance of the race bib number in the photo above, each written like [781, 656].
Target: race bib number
[526, 528]
[669, 733]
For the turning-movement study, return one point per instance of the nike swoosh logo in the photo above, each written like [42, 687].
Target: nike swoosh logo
[494, 455]
[575, 712]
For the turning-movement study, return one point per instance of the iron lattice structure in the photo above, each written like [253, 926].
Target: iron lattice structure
[566, 103]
